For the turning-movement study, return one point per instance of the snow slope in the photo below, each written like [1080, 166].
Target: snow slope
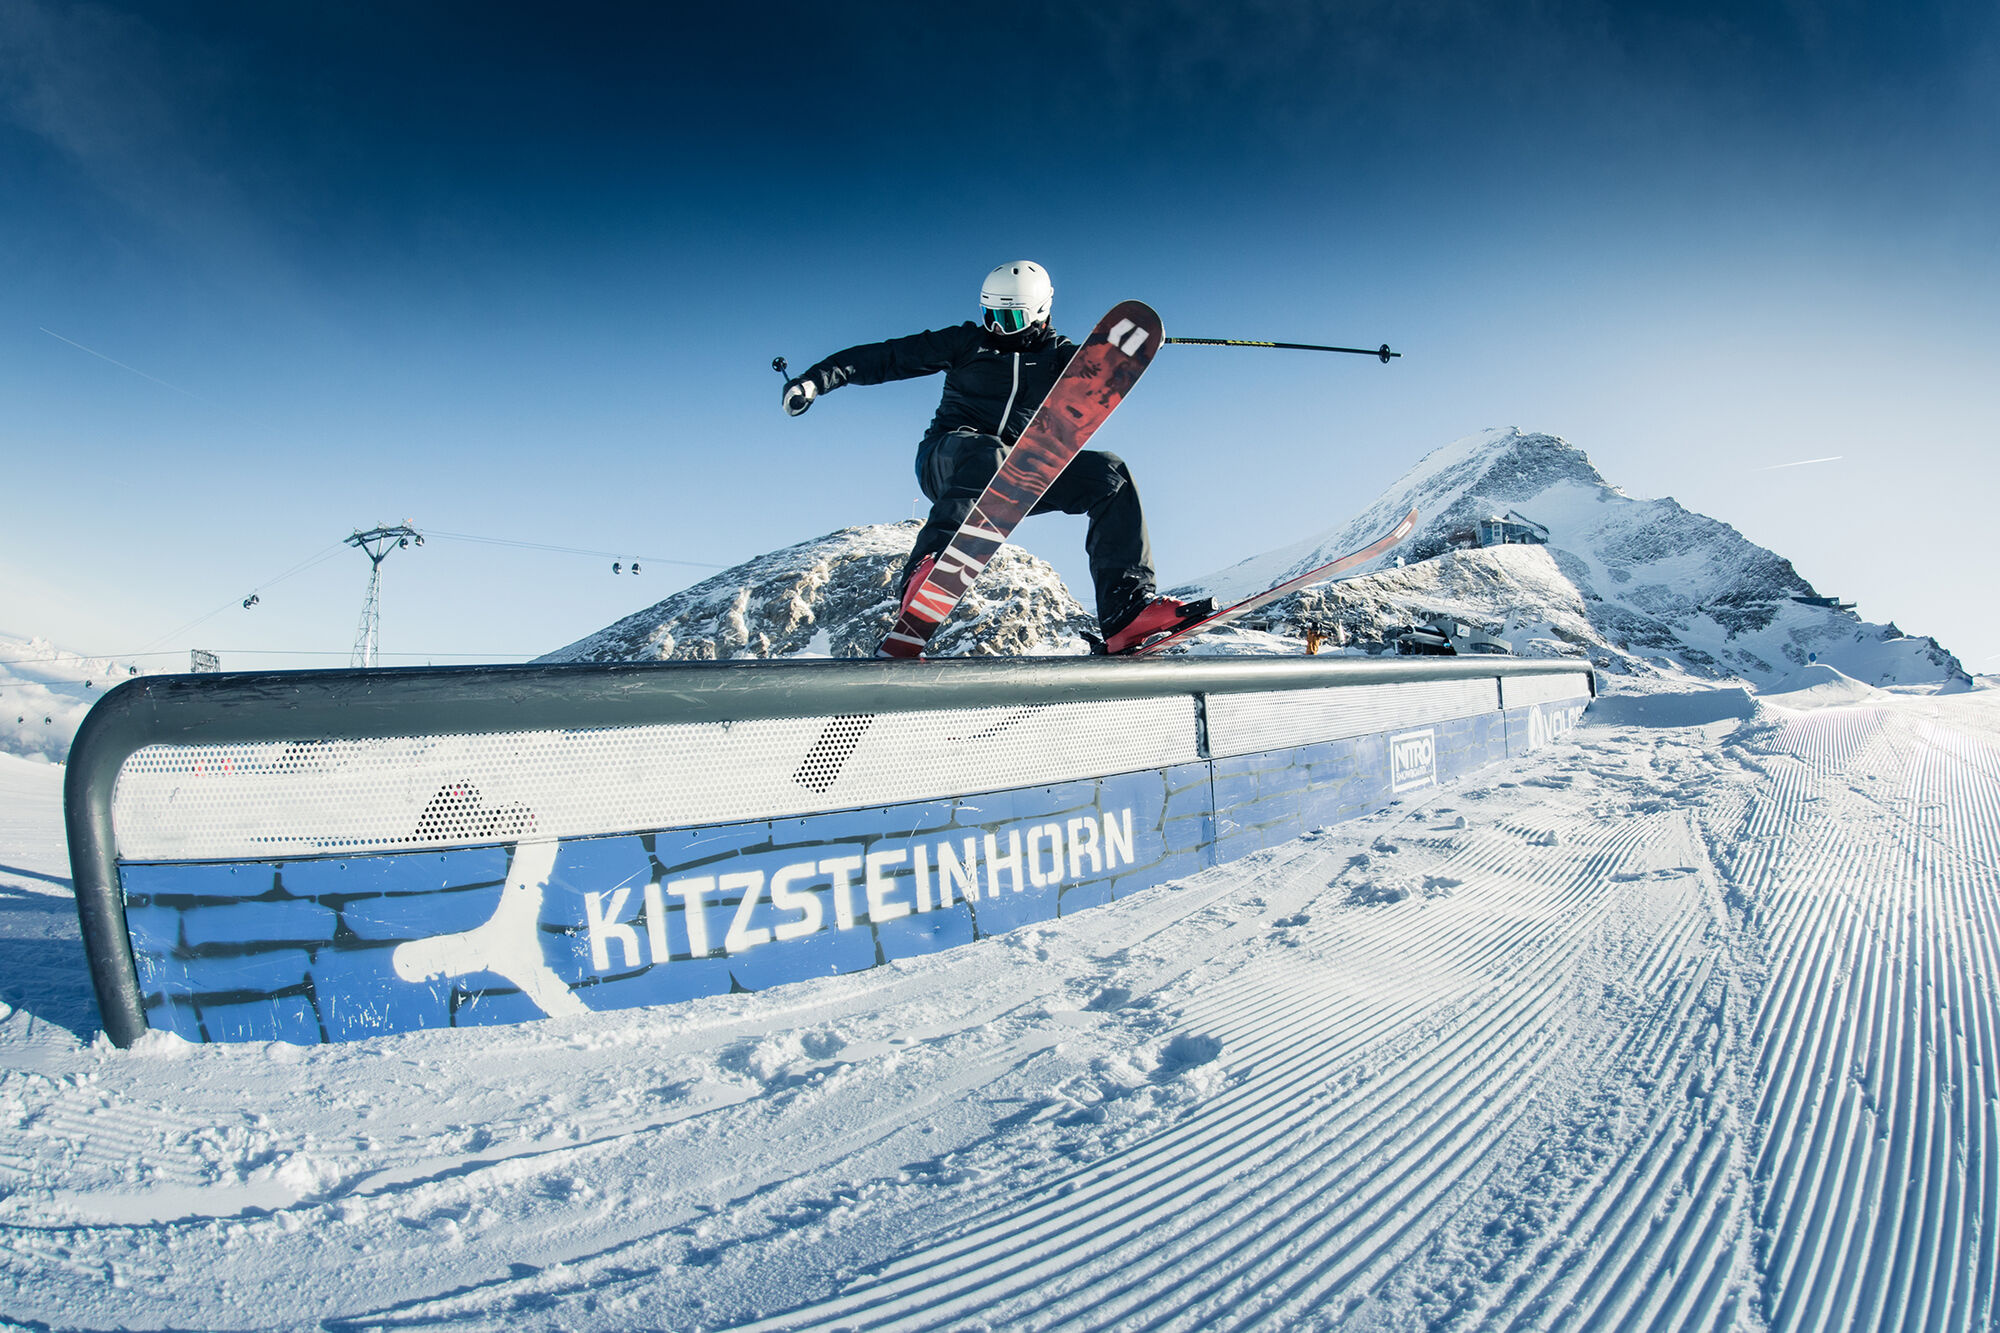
[1686, 1022]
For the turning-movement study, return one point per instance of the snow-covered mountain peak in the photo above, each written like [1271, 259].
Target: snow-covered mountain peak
[1500, 465]
[1662, 586]
[1482, 475]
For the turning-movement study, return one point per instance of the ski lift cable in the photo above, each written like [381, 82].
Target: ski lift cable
[115, 658]
[567, 550]
[333, 549]
[315, 652]
[300, 568]
[319, 557]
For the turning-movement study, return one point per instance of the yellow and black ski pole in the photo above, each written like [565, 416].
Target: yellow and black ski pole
[1383, 351]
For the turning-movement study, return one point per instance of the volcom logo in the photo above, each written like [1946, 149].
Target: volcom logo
[1412, 760]
[1546, 722]
[1128, 337]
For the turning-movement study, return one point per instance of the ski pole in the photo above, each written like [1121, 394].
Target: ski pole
[1383, 351]
[778, 364]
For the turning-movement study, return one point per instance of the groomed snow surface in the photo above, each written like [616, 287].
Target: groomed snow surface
[1690, 1020]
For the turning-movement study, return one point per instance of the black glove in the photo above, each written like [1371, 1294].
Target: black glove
[799, 394]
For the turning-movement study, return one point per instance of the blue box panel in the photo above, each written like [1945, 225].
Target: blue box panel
[494, 1008]
[395, 918]
[288, 1019]
[357, 946]
[1531, 727]
[250, 972]
[287, 920]
[349, 947]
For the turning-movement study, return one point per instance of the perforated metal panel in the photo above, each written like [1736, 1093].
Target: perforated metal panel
[1249, 723]
[1520, 691]
[260, 800]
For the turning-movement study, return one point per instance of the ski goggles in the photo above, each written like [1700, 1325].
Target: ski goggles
[1003, 319]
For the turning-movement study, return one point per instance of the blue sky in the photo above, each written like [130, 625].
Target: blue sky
[269, 274]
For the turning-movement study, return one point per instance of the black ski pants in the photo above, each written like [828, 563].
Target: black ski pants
[954, 474]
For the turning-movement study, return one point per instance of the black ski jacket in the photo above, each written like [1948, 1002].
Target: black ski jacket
[992, 384]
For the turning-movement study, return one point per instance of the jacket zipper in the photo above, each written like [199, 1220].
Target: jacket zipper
[1008, 411]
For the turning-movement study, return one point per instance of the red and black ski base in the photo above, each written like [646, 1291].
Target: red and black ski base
[1349, 564]
[1096, 380]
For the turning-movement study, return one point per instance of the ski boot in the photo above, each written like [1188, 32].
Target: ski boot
[1162, 615]
[918, 573]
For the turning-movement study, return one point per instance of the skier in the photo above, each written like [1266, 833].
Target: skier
[996, 374]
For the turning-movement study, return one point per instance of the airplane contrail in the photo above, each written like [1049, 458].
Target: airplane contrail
[1802, 463]
[120, 364]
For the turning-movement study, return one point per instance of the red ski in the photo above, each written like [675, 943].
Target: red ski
[1321, 574]
[1096, 380]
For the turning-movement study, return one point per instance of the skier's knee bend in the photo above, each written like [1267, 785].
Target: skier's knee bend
[1100, 471]
[961, 464]
[1113, 465]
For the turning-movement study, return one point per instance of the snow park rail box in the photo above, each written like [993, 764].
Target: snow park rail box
[313, 856]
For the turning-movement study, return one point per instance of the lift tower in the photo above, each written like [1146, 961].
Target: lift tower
[376, 543]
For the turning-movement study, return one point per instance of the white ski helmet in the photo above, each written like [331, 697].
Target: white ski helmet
[1017, 296]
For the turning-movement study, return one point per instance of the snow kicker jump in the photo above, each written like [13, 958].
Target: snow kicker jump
[330, 855]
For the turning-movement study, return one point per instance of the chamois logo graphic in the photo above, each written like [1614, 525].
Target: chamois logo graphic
[509, 945]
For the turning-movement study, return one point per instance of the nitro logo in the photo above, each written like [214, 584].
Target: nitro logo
[1546, 722]
[1412, 760]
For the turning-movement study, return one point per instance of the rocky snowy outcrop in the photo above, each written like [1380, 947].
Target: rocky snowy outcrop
[835, 596]
[1518, 592]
